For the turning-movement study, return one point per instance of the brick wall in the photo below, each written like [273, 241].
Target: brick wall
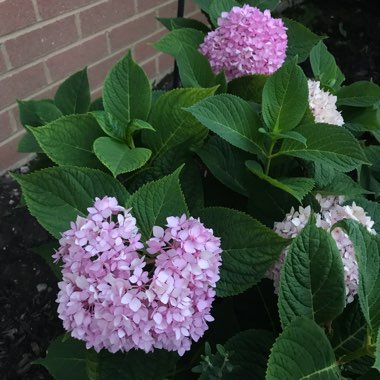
[44, 41]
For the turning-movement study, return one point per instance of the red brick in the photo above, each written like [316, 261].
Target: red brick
[52, 8]
[8, 153]
[106, 14]
[6, 123]
[3, 67]
[169, 10]
[144, 5]
[22, 84]
[67, 62]
[144, 49]
[190, 7]
[150, 69]
[15, 14]
[98, 72]
[165, 63]
[132, 31]
[39, 42]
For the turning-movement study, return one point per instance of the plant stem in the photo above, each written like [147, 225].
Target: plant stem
[269, 157]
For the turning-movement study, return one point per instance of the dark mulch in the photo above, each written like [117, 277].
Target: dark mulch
[28, 319]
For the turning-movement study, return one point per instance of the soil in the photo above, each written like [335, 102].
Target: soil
[28, 318]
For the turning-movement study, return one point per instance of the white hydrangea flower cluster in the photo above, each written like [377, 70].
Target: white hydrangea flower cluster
[332, 211]
[323, 105]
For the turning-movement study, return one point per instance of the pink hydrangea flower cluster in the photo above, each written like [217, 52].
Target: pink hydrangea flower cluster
[113, 297]
[246, 41]
[323, 105]
[332, 211]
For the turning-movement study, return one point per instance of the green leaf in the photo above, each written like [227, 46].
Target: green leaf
[326, 144]
[300, 40]
[233, 119]
[226, 163]
[28, 144]
[173, 125]
[325, 68]
[137, 125]
[34, 113]
[97, 105]
[292, 135]
[203, 4]
[126, 91]
[69, 358]
[262, 4]
[342, 184]
[218, 6]
[118, 157]
[69, 140]
[359, 94]
[46, 251]
[191, 183]
[249, 248]
[57, 195]
[181, 22]
[348, 334]
[377, 358]
[302, 351]
[154, 202]
[285, 98]
[73, 95]
[250, 351]
[194, 68]
[297, 187]
[367, 253]
[111, 126]
[312, 278]
[249, 87]
[324, 174]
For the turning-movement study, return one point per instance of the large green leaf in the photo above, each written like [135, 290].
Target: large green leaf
[298, 187]
[367, 252]
[69, 359]
[155, 201]
[56, 196]
[324, 67]
[327, 144]
[173, 125]
[73, 95]
[262, 4]
[34, 113]
[249, 87]
[194, 68]
[312, 278]
[359, 94]
[285, 98]
[226, 163]
[302, 351]
[28, 144]
[348, 335]
[118, 157]
[249, 248]
[127, 92]
[300, 40]
[233, 119]
[69, 140]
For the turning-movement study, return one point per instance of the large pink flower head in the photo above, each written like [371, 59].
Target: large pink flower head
[246, 41]
[332, 211]
[113, 297]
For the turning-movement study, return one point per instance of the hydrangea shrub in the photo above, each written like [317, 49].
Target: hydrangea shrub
[227, 229]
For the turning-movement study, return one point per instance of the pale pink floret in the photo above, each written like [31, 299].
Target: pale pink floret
[332, 211]
[246, 41]
[107, 297]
